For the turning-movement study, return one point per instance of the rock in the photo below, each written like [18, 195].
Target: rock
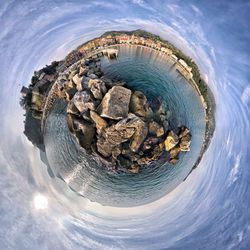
[104, 147]
[155, 129]
[162, 109]
[134, 169]
[171, 141]
[71, 108]
[70, 93]
[109, 83]
[115, 104]
[116, 152]
[72, 74]
[174, 152]
[139, 135]
[137, 104]
[173, 161]
[165, 124]
[83, 70]
[85, 133]
[157, 151]
[123, 162]
[119, 132]
[97, 87]
[93, 76]
[82, 101]
[78, 82]
[149, 143]
[99, 122]
[183, 132]
[70, 123]
[134, 130]
[185, 146]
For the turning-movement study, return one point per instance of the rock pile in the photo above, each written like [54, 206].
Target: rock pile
[115, 123]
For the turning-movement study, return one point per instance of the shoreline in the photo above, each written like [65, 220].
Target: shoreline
[208, 102]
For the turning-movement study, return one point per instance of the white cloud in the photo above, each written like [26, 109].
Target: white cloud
[196, 10]
[245, 97]
[233, 176]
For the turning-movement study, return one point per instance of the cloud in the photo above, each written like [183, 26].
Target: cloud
[245, 97]
[196, 10]
[233, 176]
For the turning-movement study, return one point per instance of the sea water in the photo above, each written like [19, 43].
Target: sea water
[151, 72]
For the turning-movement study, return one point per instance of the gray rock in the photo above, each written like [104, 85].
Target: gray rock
[82, 101]
[97, 87]
[93, 76]
[115, 104]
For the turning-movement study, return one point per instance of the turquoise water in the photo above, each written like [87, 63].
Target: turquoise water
[149, 71]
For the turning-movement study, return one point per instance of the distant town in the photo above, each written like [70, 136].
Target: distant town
[111, 40]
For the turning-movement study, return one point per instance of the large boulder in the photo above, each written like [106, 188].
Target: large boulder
[83, 102]
[171, 141]
[133, 129]
[115, 104]
[97, 88]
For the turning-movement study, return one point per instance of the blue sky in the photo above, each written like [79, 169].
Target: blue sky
[209, 211]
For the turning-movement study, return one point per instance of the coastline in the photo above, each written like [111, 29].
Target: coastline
[207, 101]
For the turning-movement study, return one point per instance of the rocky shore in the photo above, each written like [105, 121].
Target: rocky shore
[115, 124]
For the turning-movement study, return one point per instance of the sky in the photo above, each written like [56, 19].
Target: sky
[210, 210]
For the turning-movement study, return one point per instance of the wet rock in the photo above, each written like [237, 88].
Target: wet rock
[171, 141]
[173, 161]
[183, 132]
[134, 169]
[115, 104]
[83, 101]
[97, 87]
[85, 133]
[100, 123]
[155, 129]
[109, 83]
[138, 103]
[185, 146]
[174, 152]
